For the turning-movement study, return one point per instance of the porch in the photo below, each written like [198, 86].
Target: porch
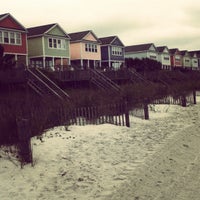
[20, 60]
[50, 63]
[86, 63]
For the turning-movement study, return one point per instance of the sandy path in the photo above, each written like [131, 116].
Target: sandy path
[173, 170]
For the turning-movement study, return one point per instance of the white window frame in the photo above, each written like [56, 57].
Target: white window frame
[10, 37]
[116, 51]
[56, 43]
[91, 47]
[1, 37]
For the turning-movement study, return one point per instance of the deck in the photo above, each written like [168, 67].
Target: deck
[85, 75]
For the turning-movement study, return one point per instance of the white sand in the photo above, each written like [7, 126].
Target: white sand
[158, 159]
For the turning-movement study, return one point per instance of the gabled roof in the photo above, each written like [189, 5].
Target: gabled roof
[192, 53]
[161, 48]
[195, 51]
[42, 30]
[173, 51]
[5, 15]
[109, 40]
[79, 36]
[139, 47]
[184, 52]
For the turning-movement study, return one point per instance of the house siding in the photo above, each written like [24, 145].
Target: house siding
[186, 61]
[118, 58]
[90, 37]
[175, 62]
[104, 53]
[194, 62]
[9, 23]
[35, 47]
[162, 58]
[56, 52]
[91, 55]
[75, 51]
[138, 55]
[17, 49]
[56, 32]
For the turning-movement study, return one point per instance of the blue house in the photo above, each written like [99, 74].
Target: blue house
[112, 52]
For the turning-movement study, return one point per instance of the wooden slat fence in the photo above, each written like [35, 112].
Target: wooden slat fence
[113, 114]
[176, 101]
[168, 100]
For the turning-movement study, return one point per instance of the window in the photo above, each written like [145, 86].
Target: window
[95, 48]
[116, 51]
[59, 44]
[50, 43]
[166, 58]
[8, 37]
[1, 37]
[18, 38]
[152, 57]
[86, 47]
[177, 58]
[12, 38]
[90, 47]
[55, 43]
[63, 44]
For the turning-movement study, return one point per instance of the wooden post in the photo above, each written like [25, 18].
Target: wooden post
[183, 101]
[24, 135]
[146, 109]
[126, 113]
[194, 96]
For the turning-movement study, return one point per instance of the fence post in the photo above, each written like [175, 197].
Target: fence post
[194, 96]
[146, 109]
[183, 101]
[24, 134]
[127, 119]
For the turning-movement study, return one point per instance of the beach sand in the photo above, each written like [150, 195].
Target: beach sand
[156, 159]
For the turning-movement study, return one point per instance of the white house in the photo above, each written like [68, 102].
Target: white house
[164, 57]
[141, 51]
[194, 60]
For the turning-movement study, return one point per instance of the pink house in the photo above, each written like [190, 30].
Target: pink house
[85, 49]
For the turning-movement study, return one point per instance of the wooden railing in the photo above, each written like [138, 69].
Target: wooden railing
[102, 81]
[43, 85]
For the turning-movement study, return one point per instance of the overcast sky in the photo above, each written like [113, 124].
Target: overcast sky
[174, 23]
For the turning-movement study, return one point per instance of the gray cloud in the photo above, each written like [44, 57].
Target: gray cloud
[192, 16]
[181, 42]
[116, 27]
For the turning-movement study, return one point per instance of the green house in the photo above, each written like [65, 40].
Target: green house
[48, 47]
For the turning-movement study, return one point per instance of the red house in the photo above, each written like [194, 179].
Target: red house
[176, 58]
[13, 37]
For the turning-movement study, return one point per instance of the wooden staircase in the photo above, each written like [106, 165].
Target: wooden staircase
[42, 85]
[103, 82]
[135, 77]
